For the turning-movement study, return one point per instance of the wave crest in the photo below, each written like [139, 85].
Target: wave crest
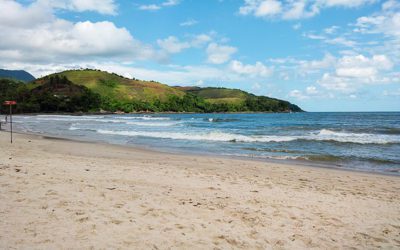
[361, 138]
[211, 136]
[322, 135]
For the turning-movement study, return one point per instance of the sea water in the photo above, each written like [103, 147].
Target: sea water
[359, 141]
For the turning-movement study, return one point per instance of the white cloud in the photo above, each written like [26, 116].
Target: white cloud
[345, 3]
[200, 40]
[314, 66]
[295, 11]
[14, 15]
[256, 70]
[331, 40]
[261, 8]
[356, 72]
[100, 6]
[386, 22]
[362, 67]
[170, 3]
[331, 30]
[312, 90]
[297, 94]
[386, 25]
[154, 7]
[172, 45]
[298, 10]
[333, 82]
[291, 10]
[351, 72]
[219, 54]
[341, 41]
[149, 7]
[42, 37]
[268, 8]
[391, 5]
[346, 74]
[314, 37]
[189, 22]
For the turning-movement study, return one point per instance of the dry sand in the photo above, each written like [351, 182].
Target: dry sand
[65, 194]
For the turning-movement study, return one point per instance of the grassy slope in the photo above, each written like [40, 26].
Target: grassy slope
[120, 88]
[218, 95]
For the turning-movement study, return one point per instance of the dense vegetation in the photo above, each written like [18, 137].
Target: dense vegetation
[93, 90]
[235, 100]
[55, 94]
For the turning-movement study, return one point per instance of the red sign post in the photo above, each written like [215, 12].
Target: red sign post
[10, 103]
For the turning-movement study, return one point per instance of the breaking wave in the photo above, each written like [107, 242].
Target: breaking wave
[322, 135]
[211, 136]
[361, 138]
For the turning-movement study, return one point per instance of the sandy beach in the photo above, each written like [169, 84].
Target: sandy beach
[66, 194]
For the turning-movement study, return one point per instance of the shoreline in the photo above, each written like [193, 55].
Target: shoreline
[292, 162]
[152, 113]
[58, 193]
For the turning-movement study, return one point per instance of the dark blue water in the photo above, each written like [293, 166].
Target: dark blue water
[360, 141]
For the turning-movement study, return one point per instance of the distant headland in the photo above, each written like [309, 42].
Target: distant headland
[88, 90]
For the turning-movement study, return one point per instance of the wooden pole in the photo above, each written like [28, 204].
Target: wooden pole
[11, 132]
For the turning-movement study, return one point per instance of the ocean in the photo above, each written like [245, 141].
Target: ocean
[357, 141]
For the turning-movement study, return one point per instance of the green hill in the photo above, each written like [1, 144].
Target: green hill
[218, 95]
[65, 92]
[241, 99]
[54, 94]
[117, 87]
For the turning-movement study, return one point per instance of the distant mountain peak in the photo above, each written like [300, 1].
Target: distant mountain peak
[20, 75]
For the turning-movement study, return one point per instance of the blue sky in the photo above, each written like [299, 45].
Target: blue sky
[324, 55]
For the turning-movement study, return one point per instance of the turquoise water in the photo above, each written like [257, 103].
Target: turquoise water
[360, 141]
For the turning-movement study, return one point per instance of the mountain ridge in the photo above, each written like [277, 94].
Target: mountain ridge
[118, 93]
[20, 75]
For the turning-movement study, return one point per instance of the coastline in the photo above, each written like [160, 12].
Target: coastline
[68, 193]
[150, 149]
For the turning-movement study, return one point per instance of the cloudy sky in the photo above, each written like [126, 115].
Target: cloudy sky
[324, 55]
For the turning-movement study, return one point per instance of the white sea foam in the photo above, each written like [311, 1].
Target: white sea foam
[98, 118]
[362, 138]
[211, 136]
[153, 124]
[77, 126]
[146, 117]
[154, 121]
[323, 135]
[274, 157]
[71, 118]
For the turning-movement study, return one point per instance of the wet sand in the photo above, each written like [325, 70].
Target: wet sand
[68, 194]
